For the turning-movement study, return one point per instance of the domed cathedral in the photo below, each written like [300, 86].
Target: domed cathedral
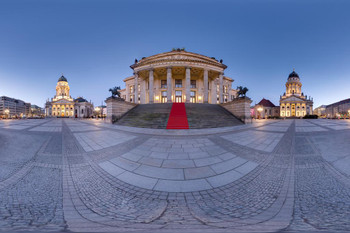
[63, 105]
[178, 76]
[294, 103]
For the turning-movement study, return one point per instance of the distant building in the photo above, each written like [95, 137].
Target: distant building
[63, 105]
[338, 109]
[320, 111]
[294, 103]
[10, 107]
[265, 109]
[35, 110]
[101, 111]
[83, 108]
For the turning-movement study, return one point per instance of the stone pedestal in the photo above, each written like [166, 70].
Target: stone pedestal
[240, 107]
[116, 108]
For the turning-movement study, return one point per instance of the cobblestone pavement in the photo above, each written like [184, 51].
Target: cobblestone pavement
[89, 176]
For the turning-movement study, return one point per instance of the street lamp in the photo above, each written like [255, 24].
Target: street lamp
[97, 110]
[7, 112]
[260, 109]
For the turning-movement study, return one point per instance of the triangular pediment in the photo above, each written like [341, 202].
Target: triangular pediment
[292, 98]
[62, 101]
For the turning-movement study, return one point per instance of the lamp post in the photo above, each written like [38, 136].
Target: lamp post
[97, 109]
[260, 109]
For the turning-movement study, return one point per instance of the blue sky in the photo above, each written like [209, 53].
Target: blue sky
[93, 43]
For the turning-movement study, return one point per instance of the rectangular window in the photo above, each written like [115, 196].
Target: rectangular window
[225, 89]
[193, 83]
[217, 88]
[178, 83]
[131, 89]
[163, 84]
[139, 88]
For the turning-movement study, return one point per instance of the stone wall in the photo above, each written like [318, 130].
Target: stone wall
[240, 107]
[117, 107]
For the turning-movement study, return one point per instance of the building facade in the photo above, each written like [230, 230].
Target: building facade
[320, 111]
[265, 109]
[63, 105]
[11, 107]
[178, 76]
[36, 111]
[294, 103]
[339, 109]
[83, 108]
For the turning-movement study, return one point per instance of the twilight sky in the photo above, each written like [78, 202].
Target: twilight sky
[93, 43]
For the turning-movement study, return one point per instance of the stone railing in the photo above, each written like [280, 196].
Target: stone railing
[240, 107]
[116, 108]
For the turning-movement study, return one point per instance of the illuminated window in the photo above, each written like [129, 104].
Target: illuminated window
[193, 83]
[163, 84]
[178, 83]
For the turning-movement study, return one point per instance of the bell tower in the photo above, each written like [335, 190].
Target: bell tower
[293, 85]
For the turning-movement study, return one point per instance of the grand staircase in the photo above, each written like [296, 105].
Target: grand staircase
[209, 116]
[198, 116]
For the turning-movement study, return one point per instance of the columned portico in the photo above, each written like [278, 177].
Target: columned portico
[178, 76]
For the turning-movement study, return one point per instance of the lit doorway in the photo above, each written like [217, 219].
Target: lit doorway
[164, 97]
[178, 96]
[193, 97]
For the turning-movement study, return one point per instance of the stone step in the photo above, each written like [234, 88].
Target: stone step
[198, 115]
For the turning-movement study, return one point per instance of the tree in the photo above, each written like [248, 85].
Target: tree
[115, 92]
[241, 91]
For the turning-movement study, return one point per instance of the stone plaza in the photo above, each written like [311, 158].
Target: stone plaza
[90, 176]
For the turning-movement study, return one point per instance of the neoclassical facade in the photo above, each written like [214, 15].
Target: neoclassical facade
[294, 103]
[178, 76]
[63, 105]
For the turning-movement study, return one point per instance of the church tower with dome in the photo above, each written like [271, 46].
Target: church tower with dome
[294, 103]
[63, 105]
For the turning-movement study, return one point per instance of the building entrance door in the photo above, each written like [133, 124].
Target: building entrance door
[178, 96]
[293, 110]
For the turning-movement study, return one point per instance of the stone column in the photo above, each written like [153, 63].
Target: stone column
[136, 89]
[213, 92]
[205, 80]
[229, 92]
[151, 80]
[143, 91]
[221, 94]
[187, 84]
[168, 83]
[127, 89]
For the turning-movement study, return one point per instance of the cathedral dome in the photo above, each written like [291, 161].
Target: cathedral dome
[293, 75]
[62, 79]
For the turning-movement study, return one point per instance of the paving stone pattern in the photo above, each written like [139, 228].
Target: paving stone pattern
[90, 176]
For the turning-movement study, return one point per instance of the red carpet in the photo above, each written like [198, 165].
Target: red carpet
[177, 118]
